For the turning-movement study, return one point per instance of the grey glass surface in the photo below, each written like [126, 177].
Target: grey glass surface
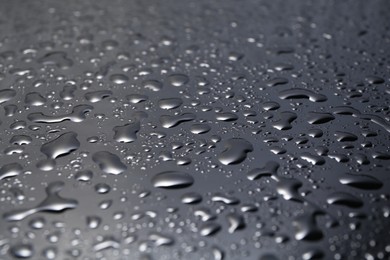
[194, 130]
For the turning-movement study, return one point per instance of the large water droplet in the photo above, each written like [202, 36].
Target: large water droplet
[172, 180]
[109, 162]
[235, 152]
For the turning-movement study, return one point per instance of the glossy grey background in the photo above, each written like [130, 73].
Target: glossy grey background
[277, 130]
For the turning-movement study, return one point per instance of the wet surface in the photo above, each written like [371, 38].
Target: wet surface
[194, 130]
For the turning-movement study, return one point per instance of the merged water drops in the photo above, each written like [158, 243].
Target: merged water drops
[52, 203]
[77, 115]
